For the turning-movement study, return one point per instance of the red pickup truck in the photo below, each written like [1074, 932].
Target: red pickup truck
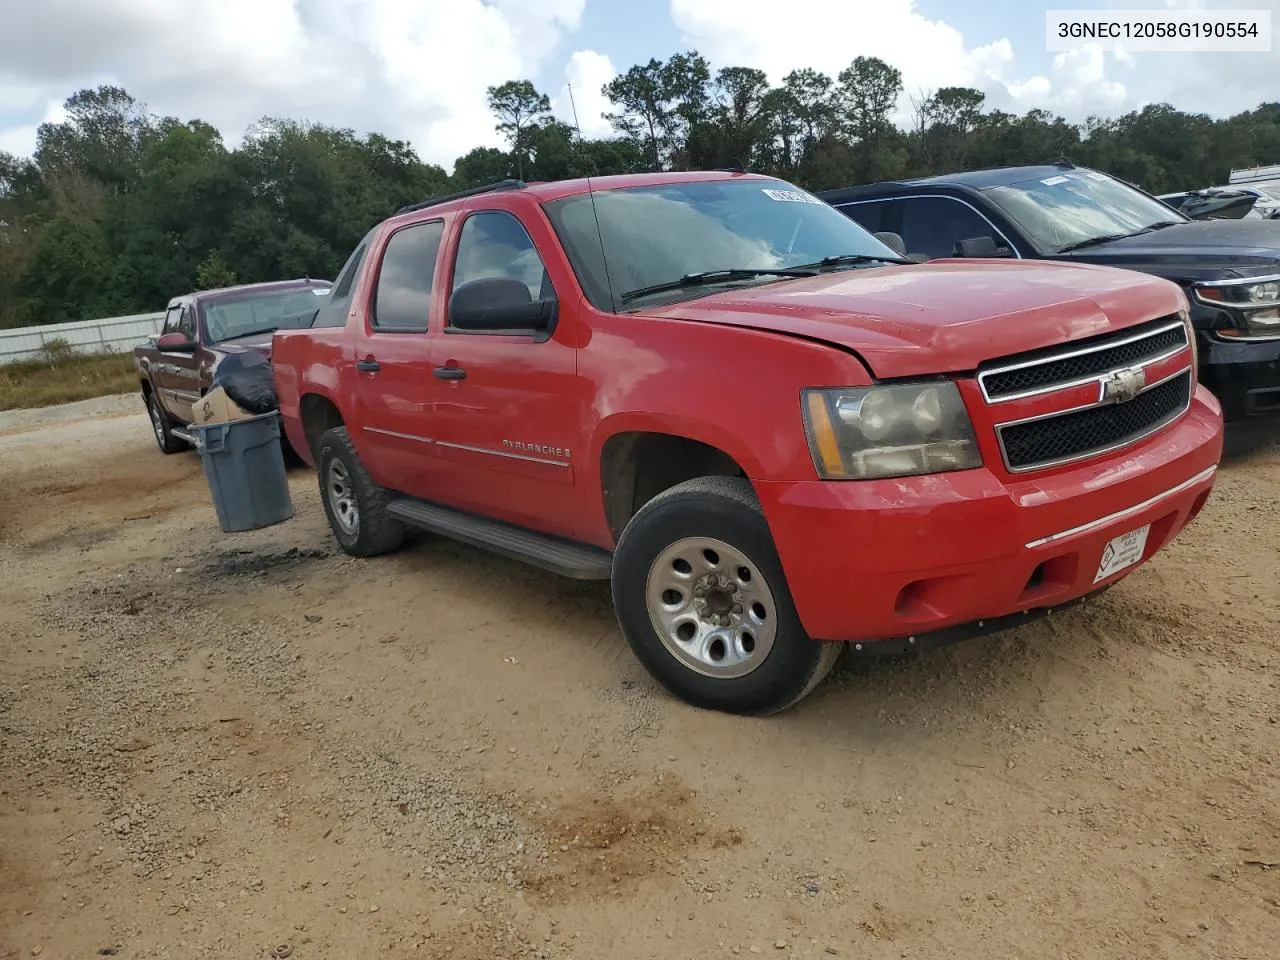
[777, 439]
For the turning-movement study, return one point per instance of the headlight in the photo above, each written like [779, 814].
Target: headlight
[1258, 303]
[898, 430]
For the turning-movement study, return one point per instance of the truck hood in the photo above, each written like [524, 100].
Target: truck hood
[254, 343]
[1199, 250]
[946, 316]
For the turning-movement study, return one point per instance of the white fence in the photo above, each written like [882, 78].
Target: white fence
[118, 334]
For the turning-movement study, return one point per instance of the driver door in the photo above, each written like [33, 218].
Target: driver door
[508, 406]
[177, 373]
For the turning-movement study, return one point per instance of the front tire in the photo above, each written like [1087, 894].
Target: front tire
[165, 439]
[355, 505]
[702, 600]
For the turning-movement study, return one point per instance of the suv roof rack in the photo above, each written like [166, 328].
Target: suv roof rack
[461, 194]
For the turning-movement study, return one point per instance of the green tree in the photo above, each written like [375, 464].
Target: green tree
[867, 93]
[213, 273]
[519, 107]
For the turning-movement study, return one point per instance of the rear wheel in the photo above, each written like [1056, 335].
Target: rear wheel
[355, 505]
[165, 439]
[703, 602]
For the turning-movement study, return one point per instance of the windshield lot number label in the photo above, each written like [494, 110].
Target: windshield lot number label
[790, 196]
[1124, 551]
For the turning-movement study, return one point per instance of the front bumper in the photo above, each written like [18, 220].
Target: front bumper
[889, 559]
[1243, 375]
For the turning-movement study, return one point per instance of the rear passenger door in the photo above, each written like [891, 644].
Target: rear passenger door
[394, 389]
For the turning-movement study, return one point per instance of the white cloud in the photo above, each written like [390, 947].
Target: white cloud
[932, 53]
[587, 72]
[21, 140]
[414, 69]
[929, 53]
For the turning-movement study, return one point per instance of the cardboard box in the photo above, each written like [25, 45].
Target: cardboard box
[216, 407]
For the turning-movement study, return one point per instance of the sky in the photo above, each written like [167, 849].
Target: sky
[418, 69]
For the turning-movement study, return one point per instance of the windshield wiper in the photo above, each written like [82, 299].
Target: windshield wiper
[714, 276]
[1161, 224]
[857, 258]
[1094, 241]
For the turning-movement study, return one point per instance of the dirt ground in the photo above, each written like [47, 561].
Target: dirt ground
[252, 746]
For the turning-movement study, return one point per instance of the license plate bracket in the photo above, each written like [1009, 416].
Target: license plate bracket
[1122, 552]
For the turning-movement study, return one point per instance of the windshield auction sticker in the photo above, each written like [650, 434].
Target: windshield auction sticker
[1160, 31]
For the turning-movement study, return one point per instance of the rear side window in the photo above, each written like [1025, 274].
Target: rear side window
[333, 312]
[402, 301]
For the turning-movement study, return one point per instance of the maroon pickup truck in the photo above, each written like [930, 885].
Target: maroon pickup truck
[177, 368]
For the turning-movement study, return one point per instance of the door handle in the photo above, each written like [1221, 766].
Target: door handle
[368, 365]
[450, 373]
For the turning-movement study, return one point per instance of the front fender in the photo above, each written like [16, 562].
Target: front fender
[736, 389]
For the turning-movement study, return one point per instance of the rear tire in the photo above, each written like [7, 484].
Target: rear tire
[165, 439]
[702, 600]
[355, 506]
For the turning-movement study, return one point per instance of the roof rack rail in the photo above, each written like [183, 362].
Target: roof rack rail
[461, 194]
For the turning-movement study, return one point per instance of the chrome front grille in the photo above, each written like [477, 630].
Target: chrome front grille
[1129, 403]
[1061, 438]
[1061, 369]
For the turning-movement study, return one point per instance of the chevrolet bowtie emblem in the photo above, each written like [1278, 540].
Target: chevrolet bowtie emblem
[1121, 385]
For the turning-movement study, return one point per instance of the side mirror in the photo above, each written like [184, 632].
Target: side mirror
[499, 303]
[980, 247]
[175, 343]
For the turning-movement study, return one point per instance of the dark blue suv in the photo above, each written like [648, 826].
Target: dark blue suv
[1229, 269]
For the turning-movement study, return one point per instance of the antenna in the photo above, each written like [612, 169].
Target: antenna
[591, 193]
[574, 107]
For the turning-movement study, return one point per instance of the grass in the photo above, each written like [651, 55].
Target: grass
[61, 377]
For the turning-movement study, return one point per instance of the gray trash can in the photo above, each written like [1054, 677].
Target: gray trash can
[244, 465]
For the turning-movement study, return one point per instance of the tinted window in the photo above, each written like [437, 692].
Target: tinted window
[403, 298]
[342, 289]
[333, 312]
[870, 215]
[497, 245]
[187, 323]
[931, 226]
[171, 317]
[636, 237]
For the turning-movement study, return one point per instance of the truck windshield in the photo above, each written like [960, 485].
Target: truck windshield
[654, 235]
[258, 313]
[1077, 206]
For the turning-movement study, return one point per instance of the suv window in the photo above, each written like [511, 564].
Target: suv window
[402, 300]
[931, 226]
[870, 213]
[496, 244]
[333, 312]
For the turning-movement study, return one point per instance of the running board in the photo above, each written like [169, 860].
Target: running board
[183, 435]
[575, 560]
